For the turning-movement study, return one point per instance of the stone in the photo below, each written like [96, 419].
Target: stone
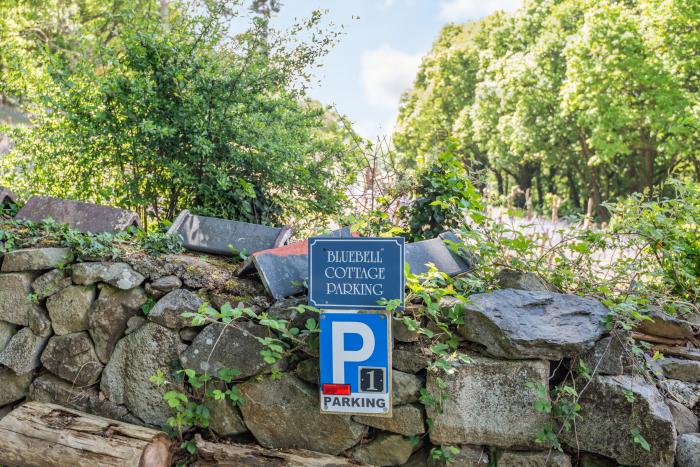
[401, 333]
[419, 458]
[436, 251]
[680, 369]
[188, 334]
[39, 322]
[84, 217]
[68, 309]
[23, 351]
[489, 403]
[161, 286]
[237, 348]
[687, 394]
[225, 419]
[309, 371]
[468, 456]
[134, 323]
[195, 271]
[385, 449]
[405, 387]
[7, 330]
[684, 419]
[7, 197]
[586, 459]
[533, 459]
[14, 386]
[109, 316]
[405, 420]
[35, 259]
[285, 309]
[15, 302]
[119, 275]
[136, 357]
[51, 282]
[688, 450]
[283, 270]
[663, 325]
[607, 356]
[294, 407]
[510, 279]
[607, 418]
[409, 360]
[52, 389]
[169, 309]
[520, 324]
[73, 358]
[214, 235]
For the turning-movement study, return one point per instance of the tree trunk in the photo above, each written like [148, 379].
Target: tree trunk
[648, 153]
[40, 434]
[573, 190]
[229, 455]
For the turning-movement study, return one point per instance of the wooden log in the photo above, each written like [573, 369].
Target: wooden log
[40, 434]
[685, 352]
[249, 455]
[656, 339]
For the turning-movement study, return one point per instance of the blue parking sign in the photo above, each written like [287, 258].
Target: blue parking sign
[355, 363]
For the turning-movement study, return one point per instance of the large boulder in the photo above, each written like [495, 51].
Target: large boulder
[51, 282]
[688, 451]
[527, 459]
[663, 325]
[119, 275]
[608, 417]
[23, 351]
[227, 346]
[109, 316]
[15, 302]
[488, 403]
[68, 309]
[7, 330]
[14, 386]
[35, 259]
[72, 357]
[385, 449]
[52, 389]
[138, 356]
[284, 414]
[520, 324]
[169, 309]
[405, 420]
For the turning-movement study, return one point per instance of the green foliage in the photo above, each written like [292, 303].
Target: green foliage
[188, 116]
[444, 197]
[156, 243]
[583, 99]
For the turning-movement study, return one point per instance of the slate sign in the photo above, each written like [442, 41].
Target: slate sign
[355, 273]
[355, 363]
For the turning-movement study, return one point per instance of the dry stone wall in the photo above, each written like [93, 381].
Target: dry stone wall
[76, 334]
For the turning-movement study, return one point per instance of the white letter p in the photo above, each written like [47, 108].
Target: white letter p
[340, 355]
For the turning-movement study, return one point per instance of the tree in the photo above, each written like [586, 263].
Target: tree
[189, 117]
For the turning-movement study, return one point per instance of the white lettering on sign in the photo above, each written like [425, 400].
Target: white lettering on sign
[354, 256]
[340, 356]
[333, 288]
[355, 404]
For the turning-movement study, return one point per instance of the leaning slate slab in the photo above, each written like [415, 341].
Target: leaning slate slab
[440, 252]
[214, 235]
[85, 217]
[519, 324]
[283, 270]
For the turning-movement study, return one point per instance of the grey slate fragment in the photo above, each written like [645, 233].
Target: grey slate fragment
[213, 235]
[7, 197]
[439, 253]
[284, 270]
[85, 217]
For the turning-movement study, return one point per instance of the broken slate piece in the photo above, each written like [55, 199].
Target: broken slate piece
[284, 270]
[214, 235]
[439, 253]
[85, 217]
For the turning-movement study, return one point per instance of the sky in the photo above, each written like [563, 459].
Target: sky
[378, 55]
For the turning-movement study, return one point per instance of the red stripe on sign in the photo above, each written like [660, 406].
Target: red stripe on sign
[336, 389]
